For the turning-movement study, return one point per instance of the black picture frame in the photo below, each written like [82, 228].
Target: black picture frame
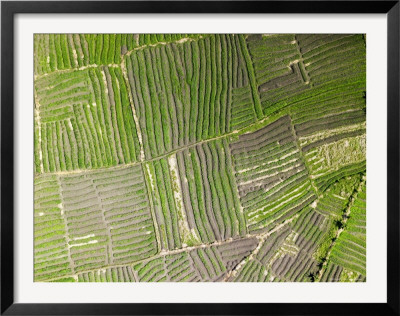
[8, 11]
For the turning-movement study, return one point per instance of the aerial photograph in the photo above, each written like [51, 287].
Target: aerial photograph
[199, 158]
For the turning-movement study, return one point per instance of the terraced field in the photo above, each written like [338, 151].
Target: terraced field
[200, 158]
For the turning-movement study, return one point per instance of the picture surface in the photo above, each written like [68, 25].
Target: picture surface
[200, 157]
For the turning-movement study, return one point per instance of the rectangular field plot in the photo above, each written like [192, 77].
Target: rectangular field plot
[189, 91]
[85, 120]
[278, 67]
[209, 192]
[272, 179]
[289, 65]
[195, 196]
[200, 157]
[102, 218]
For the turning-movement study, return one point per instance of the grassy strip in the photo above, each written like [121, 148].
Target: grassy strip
[121, 119]
[194, 89]
[37, 148]
[105, 113]
[130, 126]
[253, 83]
[200, 197]
[154, 102]
[98, 118]
[201, 87]
[59, 56]
[139, 63]
[213, 192]
[164, 103]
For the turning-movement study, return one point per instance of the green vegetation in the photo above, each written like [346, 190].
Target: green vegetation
[200, 157]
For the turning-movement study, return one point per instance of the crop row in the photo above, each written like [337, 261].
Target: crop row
[182, 92]
[86, 121]
[336, 108]
[88, 236]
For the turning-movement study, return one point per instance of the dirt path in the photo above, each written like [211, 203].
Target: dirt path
[74, 69]
[38, 121]
[180, 41]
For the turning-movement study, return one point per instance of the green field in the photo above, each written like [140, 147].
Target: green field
[200, 158]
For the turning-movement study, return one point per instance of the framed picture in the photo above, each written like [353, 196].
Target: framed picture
[205, 157]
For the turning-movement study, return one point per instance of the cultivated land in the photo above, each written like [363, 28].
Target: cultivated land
[199, 157]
